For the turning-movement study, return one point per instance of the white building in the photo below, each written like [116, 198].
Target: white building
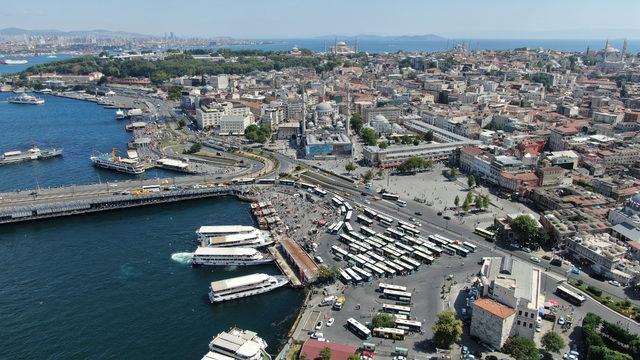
[234, 124]
[210, 116]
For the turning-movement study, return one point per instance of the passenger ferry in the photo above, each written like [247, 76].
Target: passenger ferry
[233, 236]
[26, 99]
[224, 256]
[114, 162]
[120, 114]
[237, 344]
[243, 286]
[34, 153]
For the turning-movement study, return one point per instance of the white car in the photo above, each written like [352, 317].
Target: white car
[535, 259]
[330, 322]
[317, 335]
[614, 283]
[561, 321]
[319, 326]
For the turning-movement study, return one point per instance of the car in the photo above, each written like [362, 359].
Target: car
[561, 321]
[614, 283]
[418, 213]
[575, 270]
[526, 249]
[319, 259]
[447, 217]
[412, 219]
[318, 325]
[535, 259]
[317, 335]
[538, 328]
[465, 350]
[330, 322]
[367, 202]
[363, 193]
[439, 213]
[556, 262]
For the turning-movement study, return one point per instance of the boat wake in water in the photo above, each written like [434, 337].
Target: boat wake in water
[182, 257]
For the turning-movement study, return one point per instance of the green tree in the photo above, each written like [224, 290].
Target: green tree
[181, 123]
[356, 122]
[369, 136]
[478, 203]
[471, 181]
[428, 136]
[552, 342]
[325, 353]
[521, 348]
[383, 144]
[453, 173]
[354, 357]
[350, 167]
[485, 201]
[456, 201]
[526, 229]
[368, 176]
[466, 205]
[193, 149]
[383, 320]
[447, 330]
[380, 173]
[327, 274]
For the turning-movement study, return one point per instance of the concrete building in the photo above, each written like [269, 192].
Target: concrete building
[210, 116]
[491, 321]
[601, 253]
[234, 124]
[391, 113]
[218, 82]
[327, 144]
[514, 284]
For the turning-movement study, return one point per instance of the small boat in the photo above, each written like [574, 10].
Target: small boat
[26, 99]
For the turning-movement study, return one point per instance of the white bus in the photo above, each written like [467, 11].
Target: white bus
[367, 231]
[374, 269]
[440, 240]
[469, 246]
[388, 333]
[409, 325]
[489, 235]
[338, 251]
[336, 201]
[348, 227]
[570, 296]
[400, 296]
[367, 276]
[401, 203]
[370, 213]
[389, 196]
[394, 233]
[396, 309]
[338, 227]
[151, 188]
[387, 269]
[416, 264]
[320, 192]
[383, 286]
[385, 220]
[345, 276]
[423, 257]
[353, 275]
[357, 328]
[410, 230]
[348, 206]
[348, 216]
[364, 220]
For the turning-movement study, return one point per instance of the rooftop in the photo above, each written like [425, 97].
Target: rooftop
[494, 307]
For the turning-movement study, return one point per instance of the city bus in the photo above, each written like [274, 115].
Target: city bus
[399, 269]
[348, 216]
[266, 181]
[401, 203]
[336, 201]
[374, 269]
[570, 296]
[382, 287]
[436, 250]
[367, 276]
[244, 181]
[348, 227]
[384, 238]
[394, 233]
[367, 231]
[459, 250]
[370, 213]
[320, 192]
[439, 240]
[151, 188]
[356, 249]
[391, 272]
[338, 251]
[405, 265]
[403, 247]
[410, 230]
[409, 325]
[389, 196]
[364, 220]
[416, 264]
[356, 278]
[402, 222]
[385, 220]
[396, 309]
[489, 235]
[388, 333]
[346, 278]
[344, 238]
[338, 227]
[357, 328]
[348, 206]
[469, 246]
[286, 182]
[423, 257]
[400, 296]
[375, 256]
[358, 236]
[448, 250]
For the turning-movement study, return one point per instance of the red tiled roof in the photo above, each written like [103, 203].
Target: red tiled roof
[494, 307]
[311, 349]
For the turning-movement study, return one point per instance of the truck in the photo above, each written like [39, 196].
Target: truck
[337, 305]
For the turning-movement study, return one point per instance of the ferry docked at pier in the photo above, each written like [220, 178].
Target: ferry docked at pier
[237, 344]
[12, 62]
[233, 236]
[243, 286]
[26, 99]
[226, 256]
[120, 114]
[114, 162]
[32, 154]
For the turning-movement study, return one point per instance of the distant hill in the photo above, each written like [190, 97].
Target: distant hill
[426, 37]
[98, 33]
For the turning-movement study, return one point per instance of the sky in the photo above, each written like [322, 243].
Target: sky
[568, 19]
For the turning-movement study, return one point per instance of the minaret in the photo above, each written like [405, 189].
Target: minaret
[335, 45]
[606, 47]
[303, 124]
[347, 123]
[624, 49]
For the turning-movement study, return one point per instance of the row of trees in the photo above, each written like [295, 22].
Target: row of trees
[413, 164]
[616, 344]
[480, 202]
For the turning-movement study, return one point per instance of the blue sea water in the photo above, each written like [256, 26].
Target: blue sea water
[80, 127]
[32, 60]
[382, 46]
[115, 285]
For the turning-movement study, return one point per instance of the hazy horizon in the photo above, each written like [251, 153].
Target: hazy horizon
[283, 19]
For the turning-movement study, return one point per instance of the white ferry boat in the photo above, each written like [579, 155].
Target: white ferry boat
[237, 344]
[32, 154]
[26, 99]
[243, 286]
[120, 114]
[224, 256]
[233, 236]
[114, 162]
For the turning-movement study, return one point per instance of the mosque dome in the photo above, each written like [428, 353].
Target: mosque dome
[324, 106]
